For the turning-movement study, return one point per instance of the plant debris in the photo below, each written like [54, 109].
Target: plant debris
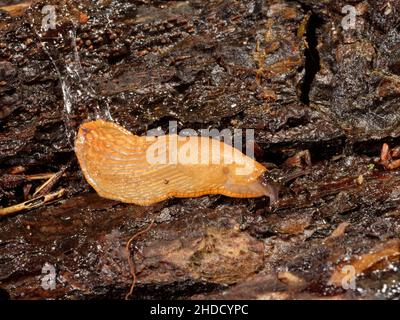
[324, 105]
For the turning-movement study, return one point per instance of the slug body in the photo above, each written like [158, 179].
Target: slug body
[145, 170]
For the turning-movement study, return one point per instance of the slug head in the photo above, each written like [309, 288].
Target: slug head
[246, 179]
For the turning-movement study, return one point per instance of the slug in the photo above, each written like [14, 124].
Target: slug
[145, 170]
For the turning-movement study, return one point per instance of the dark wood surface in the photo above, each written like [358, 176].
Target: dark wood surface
[285, 69]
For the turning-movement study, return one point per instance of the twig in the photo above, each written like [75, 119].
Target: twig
[16, 9]
[32, 204]
[49, 184]
[39, 176]
[130, 260]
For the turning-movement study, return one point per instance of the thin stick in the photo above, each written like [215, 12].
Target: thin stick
[32, 204]
[16, 9]
[42, 186]
[49, 184]
[39, 176]
[130, 260]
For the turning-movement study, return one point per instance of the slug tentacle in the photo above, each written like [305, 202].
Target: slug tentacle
[145, 170]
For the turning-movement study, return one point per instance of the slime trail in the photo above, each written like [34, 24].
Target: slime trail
[59, 43]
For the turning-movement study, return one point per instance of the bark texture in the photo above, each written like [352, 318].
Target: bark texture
[286, 69]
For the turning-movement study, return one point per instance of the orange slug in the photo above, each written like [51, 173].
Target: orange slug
[144, 170]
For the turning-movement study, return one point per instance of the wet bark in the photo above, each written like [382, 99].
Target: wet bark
[288, 70]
